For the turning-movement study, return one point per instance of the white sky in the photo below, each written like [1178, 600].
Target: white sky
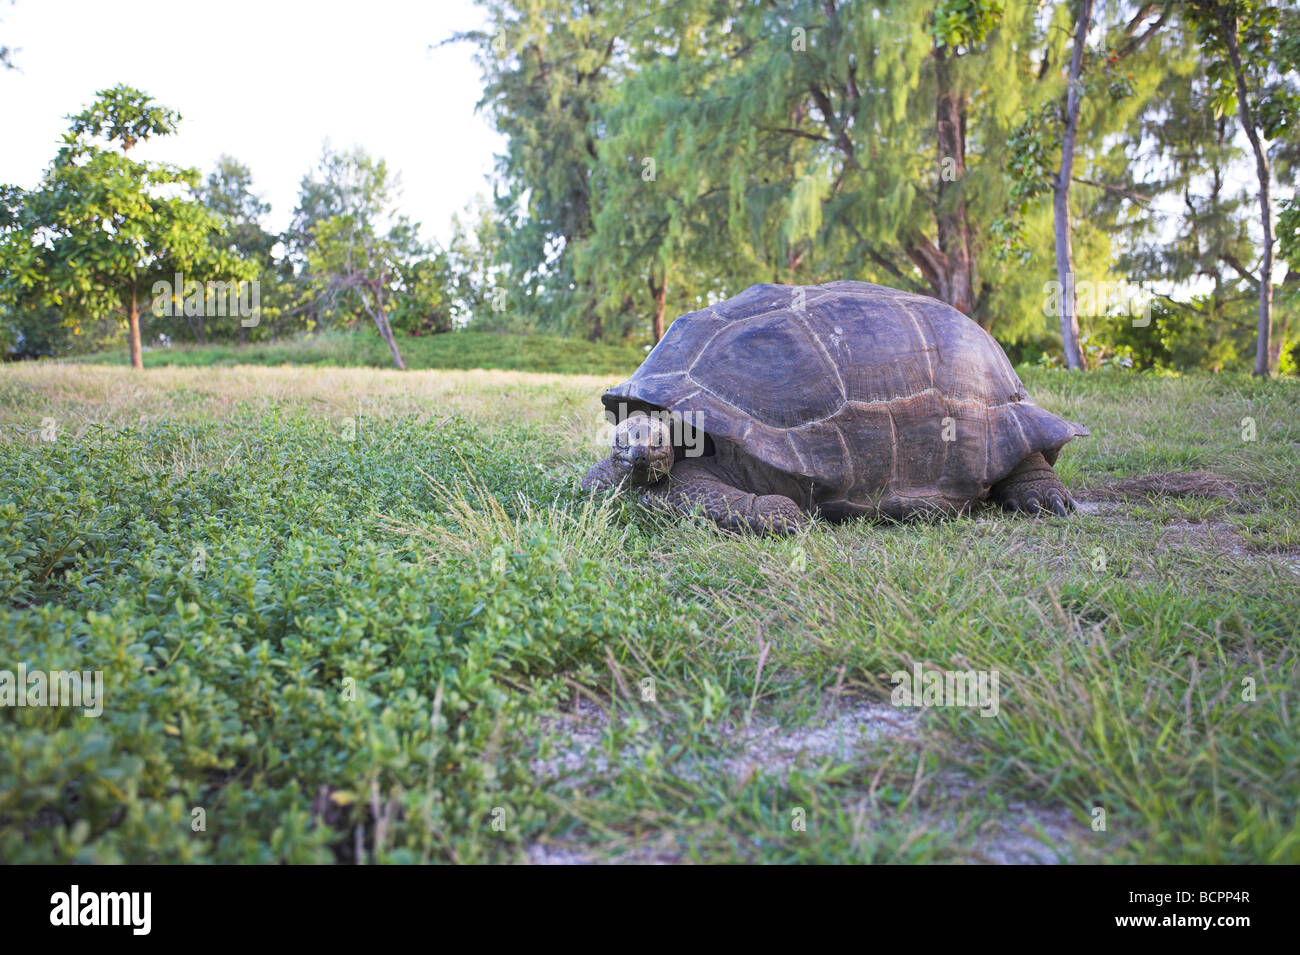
[266, 81]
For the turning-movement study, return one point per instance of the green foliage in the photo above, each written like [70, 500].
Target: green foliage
[712, 146]
[120, 115]
[33, 332]
[1251, 76]
[1288, 232]
[228, 192]
[659, 159]
[365, 349]
[1267, 62]
[425, 305]
[1209, 332]
[546, 65]
[657, 213]
[797, 143]
[965, 22]
[472, 257]
[299, 666]
[1034, 148]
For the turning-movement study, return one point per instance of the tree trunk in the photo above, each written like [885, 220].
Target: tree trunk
[386, 331]
[381, 321]
[133, 332]
[954, 230]
[660, 293]
[1265, 356]
[1061, 194]
[949, 267]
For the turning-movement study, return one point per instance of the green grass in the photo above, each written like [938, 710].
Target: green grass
[541, 353]
[355, 615]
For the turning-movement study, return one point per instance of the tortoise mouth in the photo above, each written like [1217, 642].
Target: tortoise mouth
[644, 465]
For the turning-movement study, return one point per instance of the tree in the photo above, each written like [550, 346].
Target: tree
[1064, 176]
[818, 140]
[1248, 68]
[351, 263]
[228, 193]
[663, 156]
[344, 182]
[803, 142]
[102, 227]
[359, 254]
[473, 264]
[1061, 191]
[423, 303]
[656, 216]
[1194, 230]
[546, 66]
[1045, 146]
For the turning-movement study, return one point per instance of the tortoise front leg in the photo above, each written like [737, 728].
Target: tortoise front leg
[1033, 486]
[688, 486]
[603, 475]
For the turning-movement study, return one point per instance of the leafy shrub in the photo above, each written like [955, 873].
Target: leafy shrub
[272, 656]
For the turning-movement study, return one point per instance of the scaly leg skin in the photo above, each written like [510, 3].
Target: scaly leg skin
[603, 476]
[732, 509]
[1033, 487]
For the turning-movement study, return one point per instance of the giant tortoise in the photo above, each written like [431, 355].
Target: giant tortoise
[842, 400]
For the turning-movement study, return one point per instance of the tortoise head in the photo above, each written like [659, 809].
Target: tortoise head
[643, 447]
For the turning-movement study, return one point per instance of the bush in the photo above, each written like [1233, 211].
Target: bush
[272, 656]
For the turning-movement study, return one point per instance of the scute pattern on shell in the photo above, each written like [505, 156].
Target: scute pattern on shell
[846, 386]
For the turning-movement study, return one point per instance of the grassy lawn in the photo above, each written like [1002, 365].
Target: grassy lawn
[454, 350]
[358, 615]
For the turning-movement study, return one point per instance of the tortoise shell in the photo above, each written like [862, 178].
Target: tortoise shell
[871, 399]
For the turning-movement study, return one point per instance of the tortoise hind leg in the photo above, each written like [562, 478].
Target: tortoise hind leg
[1031, 487]
[732, 509]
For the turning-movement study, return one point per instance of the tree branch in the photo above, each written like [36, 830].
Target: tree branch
[1136, 43]
[1240, 269]
[1126, 193]
[793, 132]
